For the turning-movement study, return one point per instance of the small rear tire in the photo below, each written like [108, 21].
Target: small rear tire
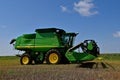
[25, 59]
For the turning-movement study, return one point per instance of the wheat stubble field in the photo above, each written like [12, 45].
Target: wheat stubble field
[10, 69]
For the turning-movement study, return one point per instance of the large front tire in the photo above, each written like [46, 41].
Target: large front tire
[25, 59]
[53, 57]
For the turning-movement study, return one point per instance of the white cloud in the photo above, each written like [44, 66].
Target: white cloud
[85, 7]
[117, 34]
[64, 8]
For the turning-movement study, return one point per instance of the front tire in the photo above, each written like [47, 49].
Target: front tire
[53, 57]
[25, 59]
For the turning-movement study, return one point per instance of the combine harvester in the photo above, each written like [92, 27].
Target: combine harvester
[54, 46]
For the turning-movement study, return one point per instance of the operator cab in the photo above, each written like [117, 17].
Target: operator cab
[68, 39]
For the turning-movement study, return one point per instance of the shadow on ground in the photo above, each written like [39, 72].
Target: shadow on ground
[95, 65]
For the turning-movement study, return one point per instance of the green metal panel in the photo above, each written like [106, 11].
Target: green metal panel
[90, 46]
[43, 41]
[25, 41]
[75, 56]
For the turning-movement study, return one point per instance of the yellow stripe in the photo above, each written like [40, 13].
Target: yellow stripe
[34, 46]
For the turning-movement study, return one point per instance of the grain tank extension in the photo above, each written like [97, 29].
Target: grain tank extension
[53, 46]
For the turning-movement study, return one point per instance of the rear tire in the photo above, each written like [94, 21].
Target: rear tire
[25, 59]
[53, 57]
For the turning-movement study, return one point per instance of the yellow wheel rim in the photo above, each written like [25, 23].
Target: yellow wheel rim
[53, 58]
[25, 60]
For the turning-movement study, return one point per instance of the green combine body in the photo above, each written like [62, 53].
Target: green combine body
[53, 46]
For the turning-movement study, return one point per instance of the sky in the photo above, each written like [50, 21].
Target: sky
[92, 19]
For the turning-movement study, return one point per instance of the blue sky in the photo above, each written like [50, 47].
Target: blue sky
[93, 19]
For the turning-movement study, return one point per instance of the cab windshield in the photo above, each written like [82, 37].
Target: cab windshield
[68, 39]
